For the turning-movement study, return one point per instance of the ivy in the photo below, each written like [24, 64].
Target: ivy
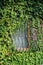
[13, 15]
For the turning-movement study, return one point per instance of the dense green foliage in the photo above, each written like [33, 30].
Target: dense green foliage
[13, 13]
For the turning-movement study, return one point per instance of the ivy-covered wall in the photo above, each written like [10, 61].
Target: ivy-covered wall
[13, 13]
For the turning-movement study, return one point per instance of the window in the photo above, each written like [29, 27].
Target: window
[20, 37]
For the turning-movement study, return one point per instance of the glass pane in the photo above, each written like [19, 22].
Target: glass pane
[20, 37]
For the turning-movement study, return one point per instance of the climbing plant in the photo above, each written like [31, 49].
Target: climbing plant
[13, 13]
